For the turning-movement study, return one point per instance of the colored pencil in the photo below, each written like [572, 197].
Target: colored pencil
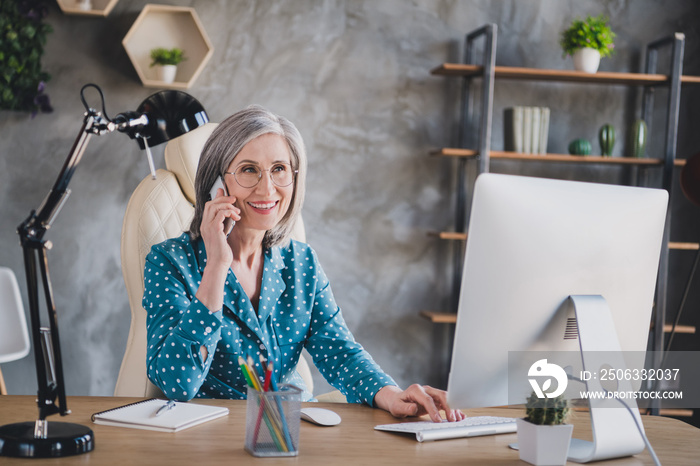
[277, 436]
[273, 385]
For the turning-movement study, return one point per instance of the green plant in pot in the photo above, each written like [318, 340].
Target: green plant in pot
[22, 41]
[166, 61]
[543, 435]
[587, 41]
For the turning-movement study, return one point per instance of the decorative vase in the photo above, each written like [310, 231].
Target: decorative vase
[586, 60]
[166, 73]
[544, 445]
[637, 139]
[580, 146]
[606, 138]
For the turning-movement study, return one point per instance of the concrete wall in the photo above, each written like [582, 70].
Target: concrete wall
[354, 76]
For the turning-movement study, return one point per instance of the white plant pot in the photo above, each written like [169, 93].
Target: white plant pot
[543, 445]
[586, 60]
[166, 73]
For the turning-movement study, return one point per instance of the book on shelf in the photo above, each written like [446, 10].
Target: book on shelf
[535, 131]
[513, 123]
[146, 415]
[526, 129]
[544, 130]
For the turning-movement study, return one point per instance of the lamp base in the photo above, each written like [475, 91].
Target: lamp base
[63, 439]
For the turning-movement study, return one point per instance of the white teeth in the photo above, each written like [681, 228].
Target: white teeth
[263, 205]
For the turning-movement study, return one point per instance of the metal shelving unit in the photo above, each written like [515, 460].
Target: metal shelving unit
[481, 154]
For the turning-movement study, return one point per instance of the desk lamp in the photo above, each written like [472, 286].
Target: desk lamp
[162, 116]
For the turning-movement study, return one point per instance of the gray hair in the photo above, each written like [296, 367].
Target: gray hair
[224, 144]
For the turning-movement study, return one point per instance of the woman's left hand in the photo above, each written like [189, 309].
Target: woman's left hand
[416, 400]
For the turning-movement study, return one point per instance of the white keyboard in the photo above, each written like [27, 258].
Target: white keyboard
[426, 431]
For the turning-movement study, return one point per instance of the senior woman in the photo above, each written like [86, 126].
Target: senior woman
[214, 293]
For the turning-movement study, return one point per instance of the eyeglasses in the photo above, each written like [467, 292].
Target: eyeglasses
[248, 176]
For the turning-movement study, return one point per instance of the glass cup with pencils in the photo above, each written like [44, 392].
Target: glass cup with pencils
[272, 414]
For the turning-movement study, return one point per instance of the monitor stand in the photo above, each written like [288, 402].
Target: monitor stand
[615, 432]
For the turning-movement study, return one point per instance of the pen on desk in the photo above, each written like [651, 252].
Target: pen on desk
[166, 407]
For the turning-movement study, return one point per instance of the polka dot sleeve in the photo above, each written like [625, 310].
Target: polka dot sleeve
[341, 360]
[177, 326]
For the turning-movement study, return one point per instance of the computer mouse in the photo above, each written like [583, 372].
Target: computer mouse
[320, 416]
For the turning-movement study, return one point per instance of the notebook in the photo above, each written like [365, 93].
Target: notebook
[141, 415]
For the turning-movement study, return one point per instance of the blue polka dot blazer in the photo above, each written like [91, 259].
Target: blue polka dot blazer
[296, 310]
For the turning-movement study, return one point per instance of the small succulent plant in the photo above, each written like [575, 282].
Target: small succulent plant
[637, 139]
[163, 56]
[580, 146]
[606, 137]
[546, 411]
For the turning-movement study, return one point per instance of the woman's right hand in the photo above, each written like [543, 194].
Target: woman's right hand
[219, 253]
[215, 212]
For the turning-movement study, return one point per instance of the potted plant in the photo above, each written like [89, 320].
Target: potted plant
[587, 41]
[543, 435]
[24, 34]
[166, 61]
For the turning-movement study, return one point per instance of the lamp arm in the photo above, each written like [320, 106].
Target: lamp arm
[31, 233]
[157, 120]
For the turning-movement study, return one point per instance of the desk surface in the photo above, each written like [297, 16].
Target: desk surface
[353, 442]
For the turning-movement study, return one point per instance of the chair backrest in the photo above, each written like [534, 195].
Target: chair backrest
[160, 209]
[14, 337]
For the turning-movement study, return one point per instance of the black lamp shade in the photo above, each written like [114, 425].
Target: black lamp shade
[170, 114]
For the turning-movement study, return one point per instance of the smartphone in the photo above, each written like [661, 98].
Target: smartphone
[219, 183]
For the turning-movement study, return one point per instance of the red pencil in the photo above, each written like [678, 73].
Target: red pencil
[262, 406]
[268, 377]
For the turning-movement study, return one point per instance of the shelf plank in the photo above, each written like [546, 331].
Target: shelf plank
[97, 7]
[437, 317]
[692, 80]
[457, 236]
[571, 76]
[449, 235]
[685, 329]
[504, 155]
[683, 246]
[676, 412]
[580, 158]
[454, 152]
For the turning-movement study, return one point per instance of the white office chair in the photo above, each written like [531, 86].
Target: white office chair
[160, 209]
[14, 337]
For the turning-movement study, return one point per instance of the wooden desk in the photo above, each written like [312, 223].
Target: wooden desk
[353, 442]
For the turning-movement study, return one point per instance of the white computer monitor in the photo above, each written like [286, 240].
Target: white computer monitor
[534, 242]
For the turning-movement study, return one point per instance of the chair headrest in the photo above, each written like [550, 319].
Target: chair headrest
[182, 157]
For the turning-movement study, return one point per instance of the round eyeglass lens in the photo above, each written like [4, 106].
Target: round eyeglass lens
[249, 176]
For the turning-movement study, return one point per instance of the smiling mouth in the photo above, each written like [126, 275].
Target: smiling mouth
[263, 205]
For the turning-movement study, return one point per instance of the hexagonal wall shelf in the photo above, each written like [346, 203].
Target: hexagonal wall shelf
[87, 7]
[169, 27]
